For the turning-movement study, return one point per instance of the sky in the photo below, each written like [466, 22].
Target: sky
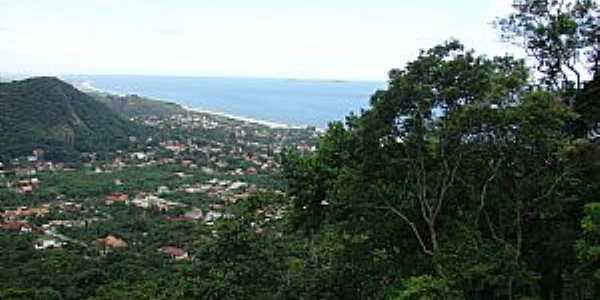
[328, 39]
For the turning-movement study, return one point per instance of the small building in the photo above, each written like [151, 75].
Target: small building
[17, 226]
[25, 212]
[139, 156]
[42, 244]
[163, 190]
[26, 187]
[109, 243]
[116, 198]
[194, 214]
[251, 171]
[237, 185]
[174, 252]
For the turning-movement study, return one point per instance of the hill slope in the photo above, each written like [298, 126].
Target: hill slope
[132, 106]
[52, 115]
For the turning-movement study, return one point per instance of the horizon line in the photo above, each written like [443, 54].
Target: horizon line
[41, 74]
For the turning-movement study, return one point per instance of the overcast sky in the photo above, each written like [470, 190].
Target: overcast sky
[335, 39]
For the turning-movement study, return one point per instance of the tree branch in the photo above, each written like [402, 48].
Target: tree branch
[412, 225]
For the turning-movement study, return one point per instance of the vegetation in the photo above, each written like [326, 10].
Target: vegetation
[48, 114]
[133, 106]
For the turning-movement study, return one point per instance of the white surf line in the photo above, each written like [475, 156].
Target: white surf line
[269, 124]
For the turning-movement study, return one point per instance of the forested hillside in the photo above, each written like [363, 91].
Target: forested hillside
[132, 106]
[46, 113]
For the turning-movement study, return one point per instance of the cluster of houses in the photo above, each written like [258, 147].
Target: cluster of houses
[25, 186]
[238, 140]
[222, 192]
[112, 243]
[30, 166]
[236, 149]
[26, 220]
[17, 221]
[24, 211]
[143, 200]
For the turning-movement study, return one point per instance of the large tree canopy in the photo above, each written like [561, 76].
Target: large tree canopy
[561, 35]
[455, 161]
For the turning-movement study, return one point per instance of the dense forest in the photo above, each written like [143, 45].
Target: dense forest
[48, 114]
[468, 177]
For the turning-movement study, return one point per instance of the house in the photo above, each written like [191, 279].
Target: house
[212, 216]
[251, 171]
[141, 200]
[161, 206]
[17, 226]
[193, 190]
[174, 252]
[194, 214]
[163, 190]
[42, 244]
[217, 206]
[139, 156]
[174, 146]
[237, 185]
[24, 212]
[144, 200]
[116, 198]
[39, 154]
[208, 170]
[181, 175]
[26, 187]
[111, 242]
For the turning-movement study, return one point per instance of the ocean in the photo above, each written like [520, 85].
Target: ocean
[294, 102]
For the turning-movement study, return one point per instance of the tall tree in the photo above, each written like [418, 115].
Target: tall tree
[561, 35]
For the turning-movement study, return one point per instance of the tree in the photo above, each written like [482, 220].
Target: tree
[559, 34]
[457, 159]
[588, 252]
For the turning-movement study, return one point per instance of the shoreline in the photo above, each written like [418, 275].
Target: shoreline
[87, 87]
[272, 125]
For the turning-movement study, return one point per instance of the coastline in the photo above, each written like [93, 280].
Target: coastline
[272, 125]
[88, 87]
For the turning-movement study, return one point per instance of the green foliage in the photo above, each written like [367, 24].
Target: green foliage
[588, 248]
[134, 106]
[426, 287]
[558, 34]
[452, 163]
[49, 114]
[588, 251]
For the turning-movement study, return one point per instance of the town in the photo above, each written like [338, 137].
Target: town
[190, 168]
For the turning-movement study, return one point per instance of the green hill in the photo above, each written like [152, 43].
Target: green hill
[132, 106]
[52, 115]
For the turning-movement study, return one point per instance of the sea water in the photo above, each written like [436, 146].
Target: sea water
[295, 102]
